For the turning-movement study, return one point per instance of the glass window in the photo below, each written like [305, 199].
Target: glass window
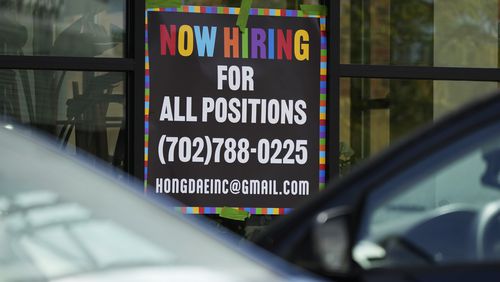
[76, 28]
[454, 33]
[445, 209]
[375, 113]
[62, 222]
[85, 110]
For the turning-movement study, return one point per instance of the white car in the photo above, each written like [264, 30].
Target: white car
[61, 220]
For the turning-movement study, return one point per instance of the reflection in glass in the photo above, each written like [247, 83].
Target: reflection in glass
[45, 235]
[61, 221]
[455, 33]
[85, 110]
[442, 209]
[376, 113]
[90, 28]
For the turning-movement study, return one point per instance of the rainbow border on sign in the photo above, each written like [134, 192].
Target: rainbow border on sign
[323, 95]
[217, 210]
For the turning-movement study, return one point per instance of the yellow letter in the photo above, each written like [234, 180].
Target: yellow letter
[185, 49]
[301, 42]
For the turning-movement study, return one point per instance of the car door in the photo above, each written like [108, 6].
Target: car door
[438, 219]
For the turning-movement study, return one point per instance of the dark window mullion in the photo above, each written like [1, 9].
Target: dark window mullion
[333, 97]
[416, 72]
[135, 99]
[66, 63]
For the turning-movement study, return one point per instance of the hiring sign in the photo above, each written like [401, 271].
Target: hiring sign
[235, 117]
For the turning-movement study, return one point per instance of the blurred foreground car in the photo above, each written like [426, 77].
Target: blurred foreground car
[62, 221]
[426, 210]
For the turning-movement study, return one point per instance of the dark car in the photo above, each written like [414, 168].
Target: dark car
[62, 220]
[426, 210]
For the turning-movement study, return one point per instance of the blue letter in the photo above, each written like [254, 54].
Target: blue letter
[270, 38]
[205, 40]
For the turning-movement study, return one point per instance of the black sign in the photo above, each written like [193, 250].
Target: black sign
[234, 117]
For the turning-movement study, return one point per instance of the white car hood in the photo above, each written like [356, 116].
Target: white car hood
[155, 274]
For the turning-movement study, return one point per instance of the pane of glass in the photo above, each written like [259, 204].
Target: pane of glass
[84, 110]
[61, 221]
[375, 113]
[444, 209]
[273, 4]
[74, 28]
[455, 33]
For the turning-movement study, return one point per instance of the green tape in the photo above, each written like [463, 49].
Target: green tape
[319, 10]
[244, 44]
[163, 4]
[242, 20]
[234, 214]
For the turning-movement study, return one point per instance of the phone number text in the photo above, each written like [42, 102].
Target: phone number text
[207, 150]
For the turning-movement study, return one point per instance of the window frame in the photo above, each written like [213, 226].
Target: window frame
[336, 71]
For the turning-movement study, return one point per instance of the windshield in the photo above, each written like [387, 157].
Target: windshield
[444, 209]
[59, 220]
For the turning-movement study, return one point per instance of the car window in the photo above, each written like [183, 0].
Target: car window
[60, 221]
[53, 237]
[443, 209]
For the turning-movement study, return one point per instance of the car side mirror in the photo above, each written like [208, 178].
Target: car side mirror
[331, 239]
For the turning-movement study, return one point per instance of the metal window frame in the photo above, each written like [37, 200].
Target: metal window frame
[135, 98]
[336, 71]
